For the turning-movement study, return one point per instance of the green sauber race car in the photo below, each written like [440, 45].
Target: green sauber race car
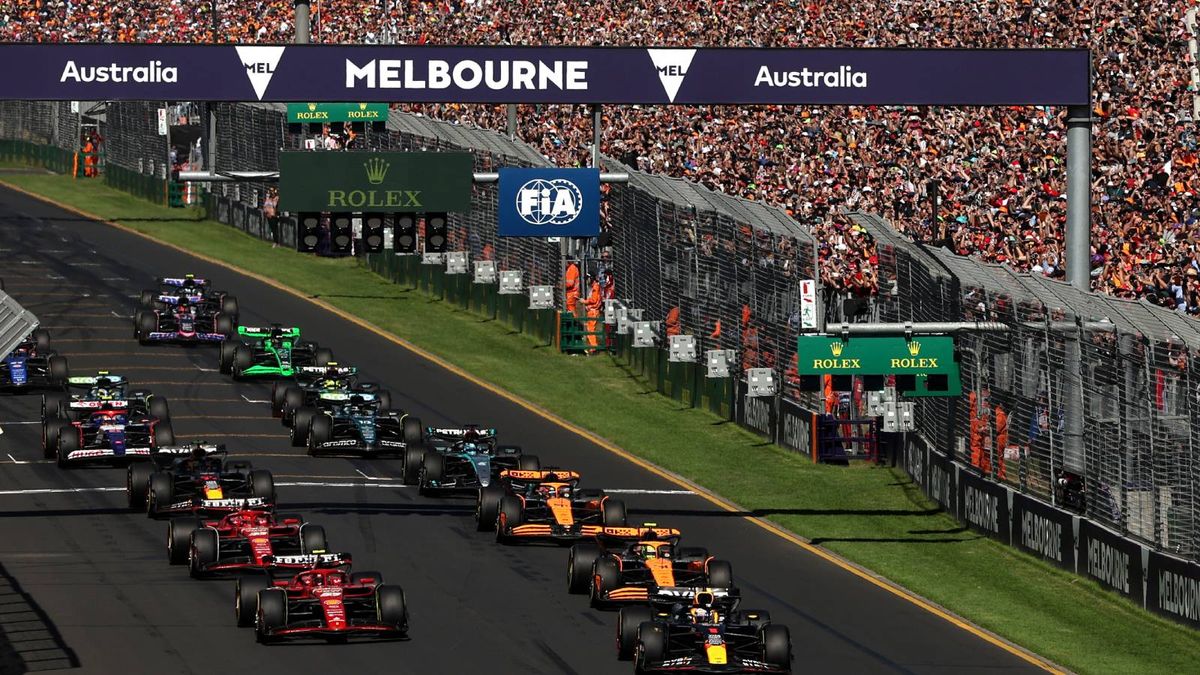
[273, 351]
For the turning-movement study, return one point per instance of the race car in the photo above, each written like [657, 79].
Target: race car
[198, 479]
[192, 288]
[325, 603]
[545, 505]
[309, 382]
[458, 459]
[102, 391]
[245, 540]
[704, 633]
[635, 564]
[33, 365]
[272, 351]
[183, 320]
[112, 435]
[354, 423]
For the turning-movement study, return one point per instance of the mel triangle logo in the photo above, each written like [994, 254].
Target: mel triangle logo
[672, 66]
[260, 62]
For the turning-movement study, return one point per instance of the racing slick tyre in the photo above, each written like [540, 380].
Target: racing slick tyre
[147, 299]
[179, 540]
[629, 619]
[271, 613]
[614, 513]
[433, 470]
[146, 322]
[322, 356]
[229, 306]
[312, 538]
[59, 370]
[390, 606]
[413, 434]
[291, 401]
[204, 551]
[385, 399]
[366, 578]
[529, 463]
[579, 568]
[651, 645]
[41, 338]
[137, 483]
[243, 359]
[753, 617]
[225, 356]
[277, 399]
[160, 494]
[159, 407]
[67, 443]
[411, 473]
[54, 406]
[262, 483]
[512, 514]
[777, 646]
[320, 430]
[487, 507]
[163, 434]
[720, 574]
[301, 423]
[245, 597]
[691, 554]
[50, 432]
[605, 577]
[224, 324]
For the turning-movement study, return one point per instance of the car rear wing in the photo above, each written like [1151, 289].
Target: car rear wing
[180, 281]
[314, 560]
[260, 331]
[449, 434]
[726, 599]
[91, 380]
[173, 298]
[637, 533]
[97, 404]
[343, 396]
[209, 449]
[332, 370]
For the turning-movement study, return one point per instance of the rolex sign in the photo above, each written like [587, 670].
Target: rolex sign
[375, 181]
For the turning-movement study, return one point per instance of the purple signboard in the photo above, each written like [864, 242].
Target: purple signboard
[544, 74]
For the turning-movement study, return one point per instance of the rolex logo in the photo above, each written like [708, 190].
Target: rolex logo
[312, 107]
[377, 169]
[914, 347]
[362, 106]
[836, 348]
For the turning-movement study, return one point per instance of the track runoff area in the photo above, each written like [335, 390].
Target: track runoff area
[87, 579]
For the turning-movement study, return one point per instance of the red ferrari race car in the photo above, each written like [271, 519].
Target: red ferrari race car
[642, 564]
[326, 603]
[244, 540]
[545, 505]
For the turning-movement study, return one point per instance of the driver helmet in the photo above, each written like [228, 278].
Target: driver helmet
[335, 579]
[470, 435]
[262, 520]
[276, 333]
[308, 580]
[564, 492]
[469, 446]
[546, 491]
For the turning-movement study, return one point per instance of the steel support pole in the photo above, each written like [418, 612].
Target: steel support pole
[511, 127]
[595, 136]
[303, 26]
[1078, 259]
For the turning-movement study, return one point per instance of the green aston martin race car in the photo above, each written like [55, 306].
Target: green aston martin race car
[274, 351]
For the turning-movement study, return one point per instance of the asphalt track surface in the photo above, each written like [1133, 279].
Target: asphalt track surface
[84, 583]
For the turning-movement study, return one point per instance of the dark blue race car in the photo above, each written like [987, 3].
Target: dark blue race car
[33, 365]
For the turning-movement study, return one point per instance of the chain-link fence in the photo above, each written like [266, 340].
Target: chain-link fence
[1127, 367]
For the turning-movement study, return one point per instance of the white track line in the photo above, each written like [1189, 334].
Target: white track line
[253, 400]
[649, 492]
[120, 316]
[327, 484]
[211, 370]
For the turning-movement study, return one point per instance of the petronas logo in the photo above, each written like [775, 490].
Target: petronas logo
[377, 170]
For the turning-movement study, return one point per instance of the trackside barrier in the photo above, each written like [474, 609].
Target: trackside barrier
[15, 323]
[150, 188]
[48, 157]
[1161, 583]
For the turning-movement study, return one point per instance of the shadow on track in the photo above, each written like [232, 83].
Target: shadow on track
[26, 630]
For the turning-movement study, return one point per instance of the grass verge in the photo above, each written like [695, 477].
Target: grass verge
[873, 516]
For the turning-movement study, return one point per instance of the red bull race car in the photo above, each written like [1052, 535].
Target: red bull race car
[705, 633]
[326, 603]
[545, 505]
[242, 541]
[33, 365]
[637, 564]
[198, 480]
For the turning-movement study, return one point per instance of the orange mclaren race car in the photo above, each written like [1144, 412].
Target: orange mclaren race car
[545, 505]
[638, 564]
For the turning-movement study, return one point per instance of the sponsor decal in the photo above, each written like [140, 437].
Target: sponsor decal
[468, 74]
[260, 61]
[1179, 595]
[981, 509]
[758, 414]
[339, 444]
[549, 202]
[672, 66]
[222, 503]
[1041, 536]
[1108, 564]
[842, 78]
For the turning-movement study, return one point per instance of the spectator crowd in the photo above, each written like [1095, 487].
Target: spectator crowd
[1000, 170]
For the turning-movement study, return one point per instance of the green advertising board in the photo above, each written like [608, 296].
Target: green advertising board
[375, 181]
[930, 358]
[337, 112]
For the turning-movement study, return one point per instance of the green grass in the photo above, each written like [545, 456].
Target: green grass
[873, 516]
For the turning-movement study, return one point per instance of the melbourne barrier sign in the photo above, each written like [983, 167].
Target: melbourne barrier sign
[545, 74]
[549, 202]
[375, 181]
[337, 112]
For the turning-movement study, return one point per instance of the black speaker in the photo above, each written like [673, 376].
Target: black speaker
[435, 232]
[341, 232]
[372, 231]
[404, 234]
[906, 383]
[810, 383]
[308, 231]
